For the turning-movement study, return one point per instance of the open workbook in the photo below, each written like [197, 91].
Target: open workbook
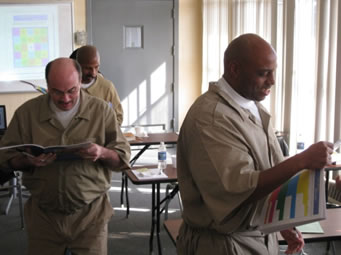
[62, 151]
[299, 201]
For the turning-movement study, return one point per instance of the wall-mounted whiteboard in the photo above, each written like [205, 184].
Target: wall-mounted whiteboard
[31, 35]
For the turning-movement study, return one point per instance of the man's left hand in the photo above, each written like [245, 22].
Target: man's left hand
[93, 152]
[294, 239]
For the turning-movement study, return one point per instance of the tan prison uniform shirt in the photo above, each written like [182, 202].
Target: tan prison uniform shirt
[66, 186]
[105, 89]
[221, 150]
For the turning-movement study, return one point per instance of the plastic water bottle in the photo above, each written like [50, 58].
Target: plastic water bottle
[300, 144]
[162, 156]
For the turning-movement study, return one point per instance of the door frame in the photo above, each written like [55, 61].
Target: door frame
[175, 76]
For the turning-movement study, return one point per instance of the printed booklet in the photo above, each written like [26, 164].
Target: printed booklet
[62, 151]
[299, 201]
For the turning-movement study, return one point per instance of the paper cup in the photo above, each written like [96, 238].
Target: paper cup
[174, 161]
[138, 131]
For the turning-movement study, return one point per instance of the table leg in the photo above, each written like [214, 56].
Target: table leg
[122, 188]
[21, 209]
[158, 218]
[127, 196]
[151, 237]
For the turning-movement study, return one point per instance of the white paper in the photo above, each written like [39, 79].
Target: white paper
[149, 173]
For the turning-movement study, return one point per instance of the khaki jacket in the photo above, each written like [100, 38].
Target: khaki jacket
[68, 185]
[221, 150]
[105, 89]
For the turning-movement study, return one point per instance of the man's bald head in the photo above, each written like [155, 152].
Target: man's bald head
[87, 53]
[63, 77]
[249, 66]
[62, 66]
[244, 47]
[89, 59]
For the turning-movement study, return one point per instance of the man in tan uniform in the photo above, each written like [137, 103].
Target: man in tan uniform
[94, 83]
[69, 206]
[229, 158]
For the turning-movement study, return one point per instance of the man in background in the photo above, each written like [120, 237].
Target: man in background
[94, 83]
[229, 159]
[69, 207]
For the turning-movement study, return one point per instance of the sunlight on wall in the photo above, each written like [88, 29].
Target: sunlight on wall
[158, 83]
[142, 94]
[129, 105]
[149, 102]
[135, 104]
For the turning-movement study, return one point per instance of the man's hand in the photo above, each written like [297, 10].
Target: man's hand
[26, 160]
[294, 239]
[93, 152]
[96, 152]
[317, 155]
[41, 160]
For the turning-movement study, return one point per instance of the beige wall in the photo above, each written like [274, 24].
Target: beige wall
[190, 60]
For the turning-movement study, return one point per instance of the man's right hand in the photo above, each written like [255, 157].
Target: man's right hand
[41, 160]
[26, 161]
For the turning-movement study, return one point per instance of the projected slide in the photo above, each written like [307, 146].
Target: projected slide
[30, 44]
[31, 39]
[32, 35]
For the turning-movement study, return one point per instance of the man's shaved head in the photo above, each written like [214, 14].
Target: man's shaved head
[89, 59]
[249, 66]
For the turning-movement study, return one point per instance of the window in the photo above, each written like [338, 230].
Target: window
[305, 37]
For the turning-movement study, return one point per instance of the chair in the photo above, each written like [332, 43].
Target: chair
[13, 190]
[174, 187]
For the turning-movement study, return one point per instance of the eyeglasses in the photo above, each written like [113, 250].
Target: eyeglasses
[71, 92]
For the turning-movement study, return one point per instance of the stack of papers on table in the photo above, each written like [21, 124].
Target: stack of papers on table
[149, 173]
[311, 228]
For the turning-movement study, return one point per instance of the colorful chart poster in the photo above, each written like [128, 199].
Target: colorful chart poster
[30, 47]
[31, 35]
[298, 201]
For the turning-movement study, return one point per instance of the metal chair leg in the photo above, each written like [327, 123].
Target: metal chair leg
[21, 209]
[122, 188]
[127, 195]
[14, 191]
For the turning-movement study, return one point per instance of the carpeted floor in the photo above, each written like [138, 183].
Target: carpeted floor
[126, 235]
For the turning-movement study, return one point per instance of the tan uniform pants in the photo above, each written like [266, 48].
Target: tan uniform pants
[83, 233]
[203, 241]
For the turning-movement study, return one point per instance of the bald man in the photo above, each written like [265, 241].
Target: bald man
[94, 83]
[229, 160]
[68, 207]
